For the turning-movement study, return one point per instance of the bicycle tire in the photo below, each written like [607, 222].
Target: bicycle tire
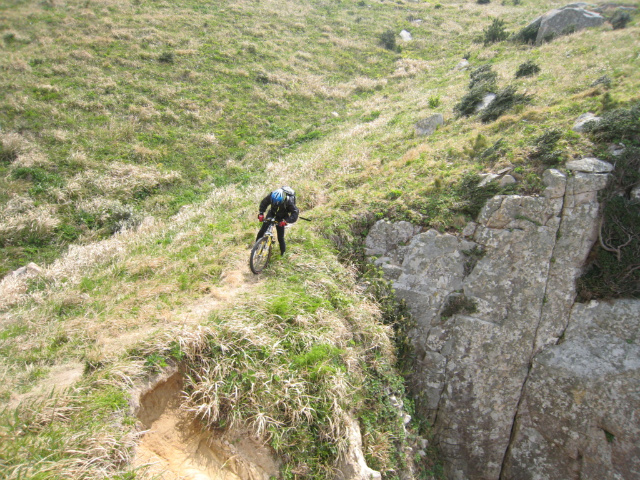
[259, 258]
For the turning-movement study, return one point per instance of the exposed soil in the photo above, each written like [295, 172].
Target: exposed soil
[176, 447]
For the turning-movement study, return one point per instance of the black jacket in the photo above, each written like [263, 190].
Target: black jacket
[287, 211]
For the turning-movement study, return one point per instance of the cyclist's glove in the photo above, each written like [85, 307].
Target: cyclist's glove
[261, 217]
[283, 223]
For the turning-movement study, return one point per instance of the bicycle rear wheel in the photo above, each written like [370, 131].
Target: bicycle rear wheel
[260, 255]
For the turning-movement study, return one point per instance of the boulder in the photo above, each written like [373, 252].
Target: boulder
[565, 20]
[589, 165]
[429, 125]
[463, 64]
[583, 119]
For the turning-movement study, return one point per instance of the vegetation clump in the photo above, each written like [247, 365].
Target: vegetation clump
[388, 40]
[458, 303]
[483, 81]
[495, 32]
[614, 269]
[506, 99]
[527, 69]
[545, 151]
[528, 34]
[620, 19]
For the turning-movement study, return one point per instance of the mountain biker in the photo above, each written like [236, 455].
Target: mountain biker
[282, 208]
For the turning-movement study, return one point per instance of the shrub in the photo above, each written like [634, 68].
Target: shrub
[620, 19]
[495, 32]
[545, 148]
[483, 2]
[458, 303]
[388, 40]
[527, 69]
[616, 126]
[434, 101]
[528, 34]
[166, 57]
[483, 81]
[505, 99]
[614, 269]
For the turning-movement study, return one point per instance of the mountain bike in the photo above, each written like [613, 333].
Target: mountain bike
[261, 251]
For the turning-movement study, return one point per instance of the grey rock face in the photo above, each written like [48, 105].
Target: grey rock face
[491, 306]
[566, 20]
[578, 413]
[429, 125]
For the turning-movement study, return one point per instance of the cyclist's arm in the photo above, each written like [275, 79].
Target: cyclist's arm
[293, 212]
[264, 204]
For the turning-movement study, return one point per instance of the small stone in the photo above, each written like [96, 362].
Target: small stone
[589, 165]
[469, 229]
[502, 171]
[616, 149]
[486, 101]
[507, 180]
[406, 418]
[635, 194]
[486, 178]
[406, 36]
[463, 65]
[428, 125]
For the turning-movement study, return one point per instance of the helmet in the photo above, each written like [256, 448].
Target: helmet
[277, 197]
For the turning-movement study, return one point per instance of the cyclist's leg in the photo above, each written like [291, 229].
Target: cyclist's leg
[283, 245]
[263, 229]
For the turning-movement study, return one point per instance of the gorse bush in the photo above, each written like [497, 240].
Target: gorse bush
[614, 269]
[545, 151]
[483, 81]
[527, 69]
[495, 32]
[620, 19]
[505, 100]
[388, 40]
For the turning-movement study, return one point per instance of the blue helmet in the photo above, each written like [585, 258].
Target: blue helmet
[277, 197]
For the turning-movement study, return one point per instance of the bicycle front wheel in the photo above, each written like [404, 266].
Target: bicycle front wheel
[260, 255]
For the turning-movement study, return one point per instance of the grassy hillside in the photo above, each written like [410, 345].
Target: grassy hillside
[138, 138]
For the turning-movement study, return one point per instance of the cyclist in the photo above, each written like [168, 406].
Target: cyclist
[282, 208]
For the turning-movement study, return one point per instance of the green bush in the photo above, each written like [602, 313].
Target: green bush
[620, 125]
[483, 2]
[388, 40]
[614, 267]
[527, 69]
[483, 81]
[545, 148]
[505, 99]
[495, 32]
[528, 34]
[620, 19]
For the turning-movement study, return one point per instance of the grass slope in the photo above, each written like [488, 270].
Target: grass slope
[166, 123]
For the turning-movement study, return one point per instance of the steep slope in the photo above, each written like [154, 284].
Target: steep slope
[166, 123]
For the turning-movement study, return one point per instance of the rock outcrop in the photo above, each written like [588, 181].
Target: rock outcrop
[563, 21]
[491, 310]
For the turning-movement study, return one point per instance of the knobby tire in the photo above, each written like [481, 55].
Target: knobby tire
[259, 257]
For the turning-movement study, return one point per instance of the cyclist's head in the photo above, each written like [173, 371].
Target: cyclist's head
[277, 197]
